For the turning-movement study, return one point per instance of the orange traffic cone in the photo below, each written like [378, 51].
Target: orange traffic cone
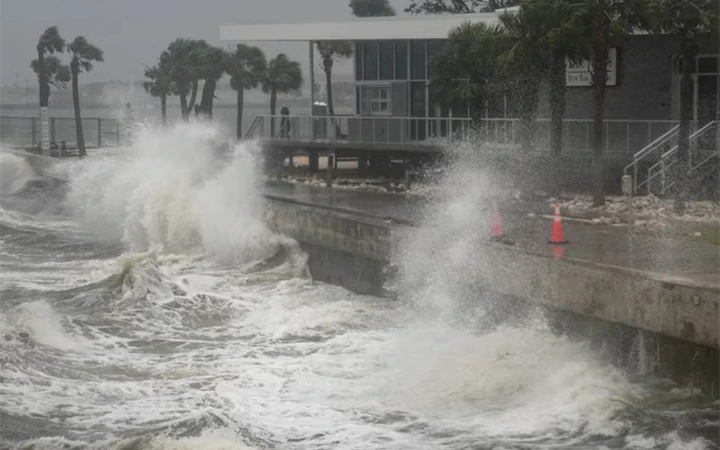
[558, 237]
[497, 228]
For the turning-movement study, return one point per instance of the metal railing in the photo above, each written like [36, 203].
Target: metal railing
[651, 152]
[25, 132]
[620, 136]
[704, 146]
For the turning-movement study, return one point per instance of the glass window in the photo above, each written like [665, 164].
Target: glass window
[387, 60]
[370, 61]
[417, 99]
[357, 100]
[401, 61]
[417, 60]
[708, 64]
[359, 61]
[433, 48]
[380, 101]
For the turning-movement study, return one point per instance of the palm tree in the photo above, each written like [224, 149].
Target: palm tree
[525, 64]
[556, 43]
[211, 64]
[696, 23]
[184, 60]
[597, 21]
[55, 74]
[83, 55]
[49, 42]
[329, 52]
[160, 82]
[282, 76]
[466, 71]
[246, 67]
[371, 8]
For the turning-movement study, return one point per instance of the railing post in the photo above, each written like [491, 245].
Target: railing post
[662, 176]
[33, 130]
[627, 137]
[587, 136]
[99, 132]
[607, 137]
[635, 177]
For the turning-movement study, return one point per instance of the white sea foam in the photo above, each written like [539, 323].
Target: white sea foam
[14, 172]
[181, 189]
[192, 351]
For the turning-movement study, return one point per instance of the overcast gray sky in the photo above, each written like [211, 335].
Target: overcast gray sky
[132, 33]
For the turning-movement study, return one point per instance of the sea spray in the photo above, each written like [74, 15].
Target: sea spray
[14, 172]
[180, 189]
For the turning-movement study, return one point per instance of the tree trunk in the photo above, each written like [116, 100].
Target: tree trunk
[599, 64]
[193, 96]
[44, 93]
[273, 101]
[529, 101]
[206, 100]
[240, 105]
[682, 167]
[80, 138]
[327, 67]
[557, 101]
[183, 101]
[44, 87]
[163, 108]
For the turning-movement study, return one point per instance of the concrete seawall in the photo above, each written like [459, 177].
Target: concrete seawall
[652, 323]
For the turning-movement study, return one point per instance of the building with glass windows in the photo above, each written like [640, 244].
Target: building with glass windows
[395, 109]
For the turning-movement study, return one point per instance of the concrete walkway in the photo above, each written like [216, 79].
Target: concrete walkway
[679, 260]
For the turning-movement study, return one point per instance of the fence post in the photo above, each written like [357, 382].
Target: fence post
[99, 132]
[33, 130]
[52, 129]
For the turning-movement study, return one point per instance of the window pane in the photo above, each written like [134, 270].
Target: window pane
[357, 100]
[708, 64]
[387, 60]
[383, 106]
[374, 106]
[383, 93]
[401, 60]
[417, 99]
[359, 62]
[417, 60]
[370, 60]
[434, 47]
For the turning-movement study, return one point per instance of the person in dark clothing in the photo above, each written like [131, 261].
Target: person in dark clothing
[285, 125]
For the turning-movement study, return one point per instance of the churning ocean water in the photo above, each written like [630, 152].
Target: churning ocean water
[145, 305]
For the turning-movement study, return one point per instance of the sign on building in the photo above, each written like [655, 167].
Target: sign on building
[580, 74]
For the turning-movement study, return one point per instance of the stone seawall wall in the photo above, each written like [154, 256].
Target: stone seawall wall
[622, 310]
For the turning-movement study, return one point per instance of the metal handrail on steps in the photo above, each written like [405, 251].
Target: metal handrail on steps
[669, 159]
[647, 152]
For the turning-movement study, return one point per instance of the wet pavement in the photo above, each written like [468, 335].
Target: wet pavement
[676, 258]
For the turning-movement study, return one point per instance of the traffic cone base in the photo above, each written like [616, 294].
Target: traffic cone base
[497, 229]
[558, 236]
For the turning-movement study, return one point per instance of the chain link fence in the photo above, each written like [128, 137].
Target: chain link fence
[25, 132]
